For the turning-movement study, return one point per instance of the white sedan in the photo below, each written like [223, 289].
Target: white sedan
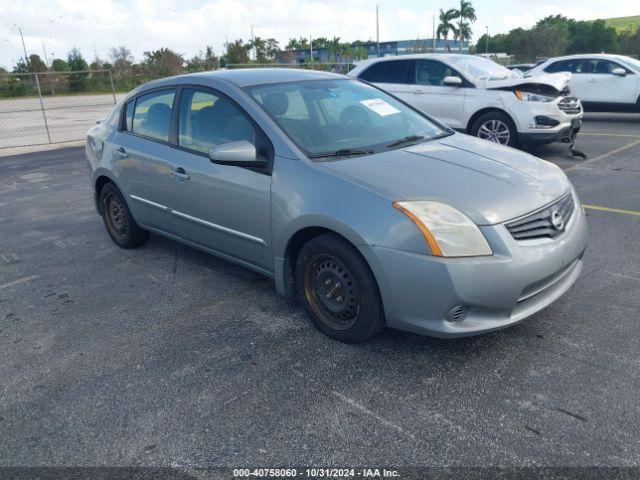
[477, 96]
[605, 83]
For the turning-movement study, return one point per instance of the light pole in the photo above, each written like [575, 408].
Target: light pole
[486, 42]
[377, 33]
[26, 58]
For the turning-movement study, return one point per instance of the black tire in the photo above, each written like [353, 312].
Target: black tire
[497, 119]
[121, 226]
[338, 289]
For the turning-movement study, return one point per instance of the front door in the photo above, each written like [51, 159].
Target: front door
[222, 207]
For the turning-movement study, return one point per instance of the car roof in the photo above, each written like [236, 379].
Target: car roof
[586, 55]
[243, 77]
[414, 56]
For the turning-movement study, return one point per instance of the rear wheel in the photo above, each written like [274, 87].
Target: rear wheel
[121, 226]
[338, 289]
[496, 127]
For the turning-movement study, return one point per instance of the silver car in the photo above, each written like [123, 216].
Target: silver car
[370, 212]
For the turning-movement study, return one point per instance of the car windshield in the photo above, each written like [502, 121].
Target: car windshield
[343, 117]
[479, 68]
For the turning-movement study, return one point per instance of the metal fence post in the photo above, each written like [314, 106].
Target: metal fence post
[44, 116]
[113, 90]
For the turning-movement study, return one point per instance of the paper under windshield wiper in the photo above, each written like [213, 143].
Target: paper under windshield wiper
[407, 139]
[343, 152]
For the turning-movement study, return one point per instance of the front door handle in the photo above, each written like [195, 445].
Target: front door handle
[179, 173]
[121, 152]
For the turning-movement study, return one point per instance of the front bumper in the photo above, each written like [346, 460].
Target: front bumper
[529, 130]
[520, 279]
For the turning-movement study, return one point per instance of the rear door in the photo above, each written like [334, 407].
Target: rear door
[393, 76]
[222, 207]
[140, 157]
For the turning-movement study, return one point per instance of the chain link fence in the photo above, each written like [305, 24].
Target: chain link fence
[52, 107]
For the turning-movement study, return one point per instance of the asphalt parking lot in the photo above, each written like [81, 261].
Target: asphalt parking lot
[165, 356]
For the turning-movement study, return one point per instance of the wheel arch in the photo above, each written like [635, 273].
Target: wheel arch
[482, 111]
[285, 259]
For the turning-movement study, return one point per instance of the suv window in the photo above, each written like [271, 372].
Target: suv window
[152, 115]
[390, 71]
[207, 119]
[583, 66]
[431, 72]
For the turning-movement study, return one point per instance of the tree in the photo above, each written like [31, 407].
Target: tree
[320, 42]
[236, 52]
[629, 43]
[466, 16]
[36, 64]
[78, 65]
[121, 60]
[204, 61]
[446, 26]
[59, 65]
[163, 62]
[334, 48]
[272, 49]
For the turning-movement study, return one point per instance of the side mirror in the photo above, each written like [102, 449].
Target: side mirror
[620, 72]
[452, 81]
[241, 153]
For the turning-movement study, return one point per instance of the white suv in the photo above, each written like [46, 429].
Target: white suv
[477, 96]
[605, 83]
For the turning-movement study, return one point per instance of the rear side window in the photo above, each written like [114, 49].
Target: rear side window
[152, 115]
[128, 121]
[563, 66]
[391, 71]
[207, 119]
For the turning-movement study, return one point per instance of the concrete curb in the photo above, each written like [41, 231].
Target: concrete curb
[7, 152]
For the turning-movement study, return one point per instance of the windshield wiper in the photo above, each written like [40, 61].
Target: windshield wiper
[343, 152]
[407, 139]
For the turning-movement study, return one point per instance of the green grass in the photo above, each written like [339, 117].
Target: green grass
[624, 24]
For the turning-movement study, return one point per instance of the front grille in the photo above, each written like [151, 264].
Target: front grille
[548, 222]
[570, 105]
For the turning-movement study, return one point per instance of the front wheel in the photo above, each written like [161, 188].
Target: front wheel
[338, 289]
[496, 127]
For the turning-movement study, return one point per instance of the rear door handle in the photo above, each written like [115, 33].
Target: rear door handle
[121, 152]
[179, 173]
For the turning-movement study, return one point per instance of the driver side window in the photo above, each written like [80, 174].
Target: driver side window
[207, 120]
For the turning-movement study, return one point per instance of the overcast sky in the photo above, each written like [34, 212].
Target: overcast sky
[188, 25]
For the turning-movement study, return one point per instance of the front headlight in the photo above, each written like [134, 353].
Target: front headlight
[532, 97]
[447, 231]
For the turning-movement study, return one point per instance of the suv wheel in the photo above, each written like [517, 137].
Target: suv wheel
[121, 226]
[496, 127]
[338, 289]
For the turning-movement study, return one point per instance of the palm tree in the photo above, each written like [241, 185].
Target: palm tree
[466, 16]
[334, 48]
[446, 26]
[345, 52]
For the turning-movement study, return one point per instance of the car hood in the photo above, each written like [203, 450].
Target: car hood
[488, 182]
[558, 81]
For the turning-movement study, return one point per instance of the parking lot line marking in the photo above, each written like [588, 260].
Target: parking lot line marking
[366, 411]
[603, 156]
[613, 210]
[597, 134]
[18, 281]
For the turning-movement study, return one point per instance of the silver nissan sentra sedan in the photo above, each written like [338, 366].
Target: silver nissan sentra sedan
[370, 212]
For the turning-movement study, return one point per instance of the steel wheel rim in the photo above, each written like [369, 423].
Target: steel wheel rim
[116, 216]
[495, 131]
[331, 291]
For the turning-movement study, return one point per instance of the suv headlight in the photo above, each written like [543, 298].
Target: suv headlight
[532, 97]
[447, 231]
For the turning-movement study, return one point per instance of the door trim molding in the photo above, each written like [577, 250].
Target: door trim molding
[149, 202]
[220, 228]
